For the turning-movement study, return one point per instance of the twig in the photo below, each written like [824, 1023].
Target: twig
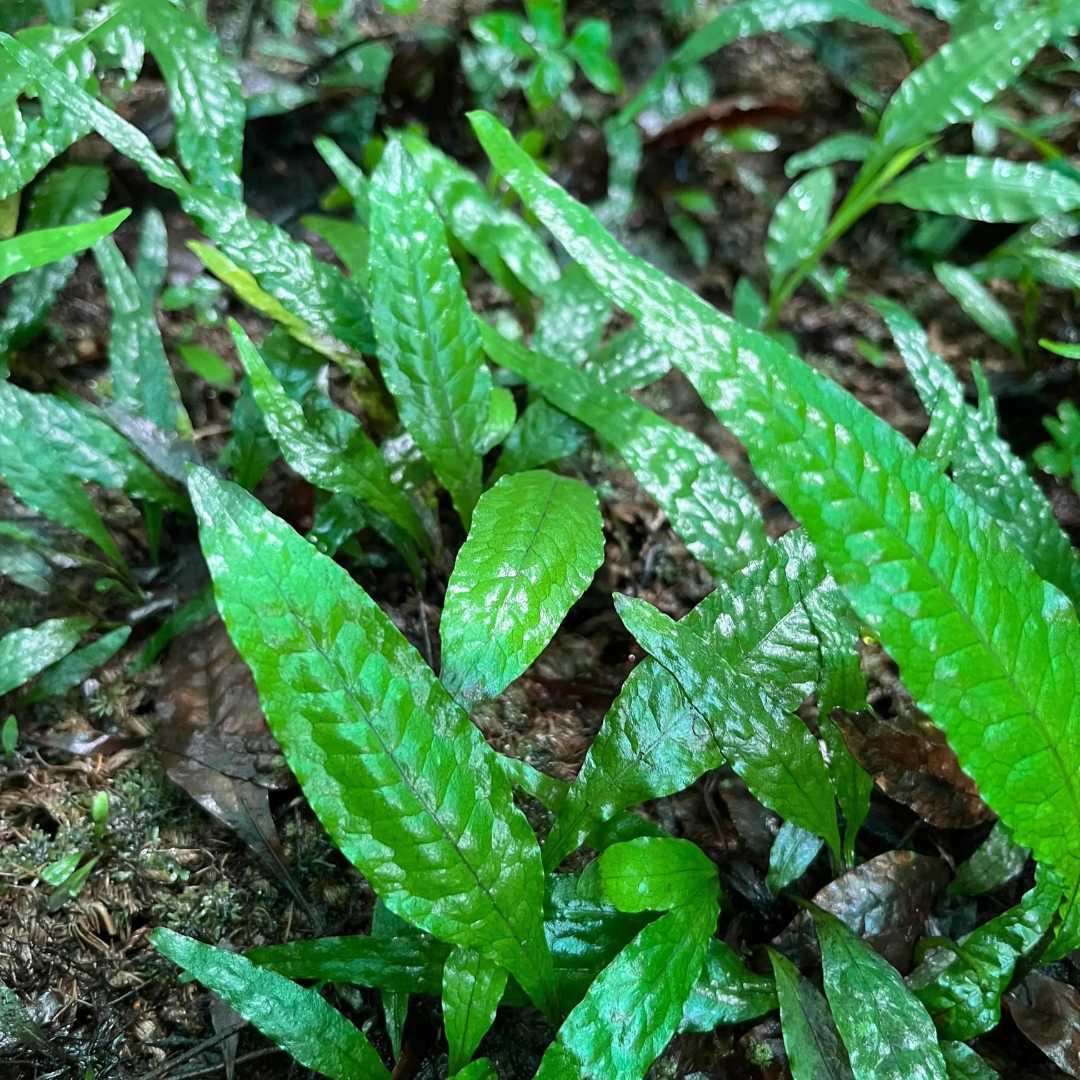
[206, 1070]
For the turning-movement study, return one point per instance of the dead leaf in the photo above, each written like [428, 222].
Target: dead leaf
[726, 114]
[885, 901]
[912, 763]
[1048, 1013]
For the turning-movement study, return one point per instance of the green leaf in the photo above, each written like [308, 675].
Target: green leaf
[495, 236]
[984, 465]
[56, 873]
[349, 175]
[637, 1001]
[394, 770]
[588, 47]
[571, 325]
[793, 851]
[726, 993]
[709, 508]
[66, 196]
[29, 250]
[501, 419]
[9, 737]
[748, 305]
[628, 360]
[962, 989]
[985, 189]
[143, 382]
[978, 304]
[811, 1040]
[769, 748]
[471, 991]
[427, 339]
[1061, 348]
[23, 653]
[77, 666]
[152, 259]
[541, 434]
[851, 782]
[744, 19]
[351, 242]
[887, 1032]
[207, 365]
[798, 223]
[962, 1063]
[846, 146]
[550, 78]
[996, 862]
[297, 1020]
[994, 655]
[340, 458]
[204, 94]
[535, 543]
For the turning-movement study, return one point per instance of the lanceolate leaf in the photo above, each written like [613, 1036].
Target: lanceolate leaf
[23, 653]
[535, 543]
[887, 1032]
[811, 1040]
[352, 466]
[983, 464]
[143, 382]
[628, 361]
[571, 326]
[349, 175]
[847, 146]
[428, 343]
[65, 196]
[986, 189]
[979, 304]
[990, 651]
[769, 748]
[961, 77]
[78, 665]
[297, 1020]
[29, 250]
[793, 851]
[403, 782]
[798, 222]
[963, 1063]
[204, 94]
[471, 990]
[851, 782]
[728, 992]
[709, 508]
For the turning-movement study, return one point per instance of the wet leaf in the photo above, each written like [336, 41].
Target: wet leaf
[851, 782]
[29, 250]
[996, 862]
[428, 344]
[846, 146]
[385, 924]
[963, 1063]
[535, 543]
[23, 653]
[77, 666]
[628, 361]
[727, 993]
[540, 435]
[1048, 1013]
[471, 991]
[979, 304]
[571, 324]
[793, 851]
[813, 1044]
[349, 175]
[297, 1020]
[798, 223]
[887, 1032]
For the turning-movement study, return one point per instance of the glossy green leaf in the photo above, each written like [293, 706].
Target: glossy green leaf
[500, 420]
[799, 222]
[962, 989]
[990, 652]
[769, 748]
[767, 624]
[23, 653]
[143, 382]
[349, 175]
[748, 305]
[471, 991]
[636, 1002]
[400, 778]
[540, 435]
[996, 862]
[984, 465]
[152, 258]
[1061, 348]
[709, 508]
[957, 81]
[811, 1040]
[29, 250]
[78, 665]
[395, 1003]
[963, 1063]
[296, 1019]
[496, 237]
[535, 543]
[208, 365]
[588, 48]
[339, 458]
[846, 146]
[628, 360]
[793, 851]
[986, 189]
[886, 1030]
[571, 324]
[851, 782]
[66, 196]
[727, 993]
[351, 242]
[428, 343]
[743, 19]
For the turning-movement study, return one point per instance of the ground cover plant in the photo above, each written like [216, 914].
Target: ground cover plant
[573, 679]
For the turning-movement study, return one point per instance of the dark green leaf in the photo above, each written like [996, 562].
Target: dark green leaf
[851, 782]
[709, 508]
[540, 435]
[798, 223]
[793, 851]
[297, 1020]
[29, 250]
[847, 146]
[811, 1040]
[962, 1063]
[23, 653]
[887, 1032]
[628, 361]
[996, 862]
[385, 924]
[401, 779]
[985, 189]
[428, 343]
[77, 666]
[535, 543]
[726, 993]
[471, 990]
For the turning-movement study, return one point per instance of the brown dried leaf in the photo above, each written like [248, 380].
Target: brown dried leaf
[912, 763]
[1048, 1013]
[885, 901]
[725, 114]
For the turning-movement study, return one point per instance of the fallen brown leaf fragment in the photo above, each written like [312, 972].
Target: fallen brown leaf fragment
[1048, 1013]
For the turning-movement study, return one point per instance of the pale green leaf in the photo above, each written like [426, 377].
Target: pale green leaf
[23, 653]
[29, 250]
[793, 851]
[846, 146]
[471, 990]
[78, 665]
[798, 223]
